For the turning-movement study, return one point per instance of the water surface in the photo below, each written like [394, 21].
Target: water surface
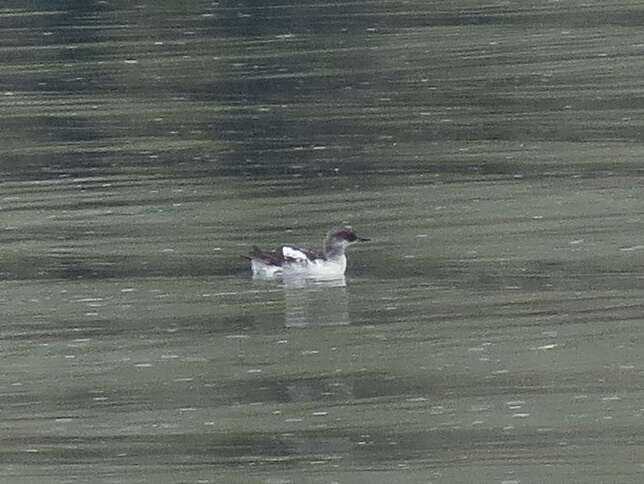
[491, 330]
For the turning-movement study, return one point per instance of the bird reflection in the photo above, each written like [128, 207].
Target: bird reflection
[311, 302]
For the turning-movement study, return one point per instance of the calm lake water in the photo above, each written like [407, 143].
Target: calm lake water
[490, 332]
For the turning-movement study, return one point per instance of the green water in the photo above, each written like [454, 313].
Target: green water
[490, 331]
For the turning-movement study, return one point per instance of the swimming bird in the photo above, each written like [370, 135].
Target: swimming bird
[289, 260]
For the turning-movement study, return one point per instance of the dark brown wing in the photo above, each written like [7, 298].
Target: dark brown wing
[273, 258]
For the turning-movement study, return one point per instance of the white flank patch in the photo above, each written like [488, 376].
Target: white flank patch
[294, 253]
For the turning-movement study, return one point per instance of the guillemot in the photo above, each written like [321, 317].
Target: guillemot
[289, 260]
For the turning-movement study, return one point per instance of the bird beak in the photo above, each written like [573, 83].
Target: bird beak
[363, 239]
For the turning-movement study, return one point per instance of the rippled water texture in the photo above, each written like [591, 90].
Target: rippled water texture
[490, 331]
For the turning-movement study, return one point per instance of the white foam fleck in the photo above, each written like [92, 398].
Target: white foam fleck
[631, 249]
[547, 347]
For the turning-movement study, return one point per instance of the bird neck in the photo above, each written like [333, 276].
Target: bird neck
[333, 249]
